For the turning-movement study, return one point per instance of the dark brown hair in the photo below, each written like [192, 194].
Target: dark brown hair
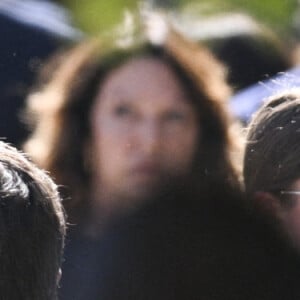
[32, 229]
[61, 110]
[272, 155]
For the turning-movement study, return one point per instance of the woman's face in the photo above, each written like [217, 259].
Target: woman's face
[144, 130]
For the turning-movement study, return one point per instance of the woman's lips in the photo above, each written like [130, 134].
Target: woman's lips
[147, 169]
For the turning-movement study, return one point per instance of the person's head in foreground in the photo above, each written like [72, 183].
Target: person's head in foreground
[121, 120]
[32, 229]
[272, 162]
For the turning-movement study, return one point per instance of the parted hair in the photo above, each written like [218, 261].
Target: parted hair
[32, 229]
[271, 161]
[60, 109]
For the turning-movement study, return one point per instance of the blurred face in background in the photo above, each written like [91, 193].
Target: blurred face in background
[144, 132]
[290, 217]
[284, 209]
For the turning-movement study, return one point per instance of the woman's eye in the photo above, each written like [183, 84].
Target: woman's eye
[175, 116]
[122, 110]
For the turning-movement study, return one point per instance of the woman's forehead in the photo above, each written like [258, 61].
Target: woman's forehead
[143, 77]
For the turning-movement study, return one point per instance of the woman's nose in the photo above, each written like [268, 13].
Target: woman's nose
[150, 136]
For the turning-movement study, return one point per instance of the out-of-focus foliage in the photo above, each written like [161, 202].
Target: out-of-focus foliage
[93, 16]
[278, 14]
[97, 15]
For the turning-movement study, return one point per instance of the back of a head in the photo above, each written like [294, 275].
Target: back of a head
[271, 160]
[250, 59]
[32, 229]
[251, 50]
